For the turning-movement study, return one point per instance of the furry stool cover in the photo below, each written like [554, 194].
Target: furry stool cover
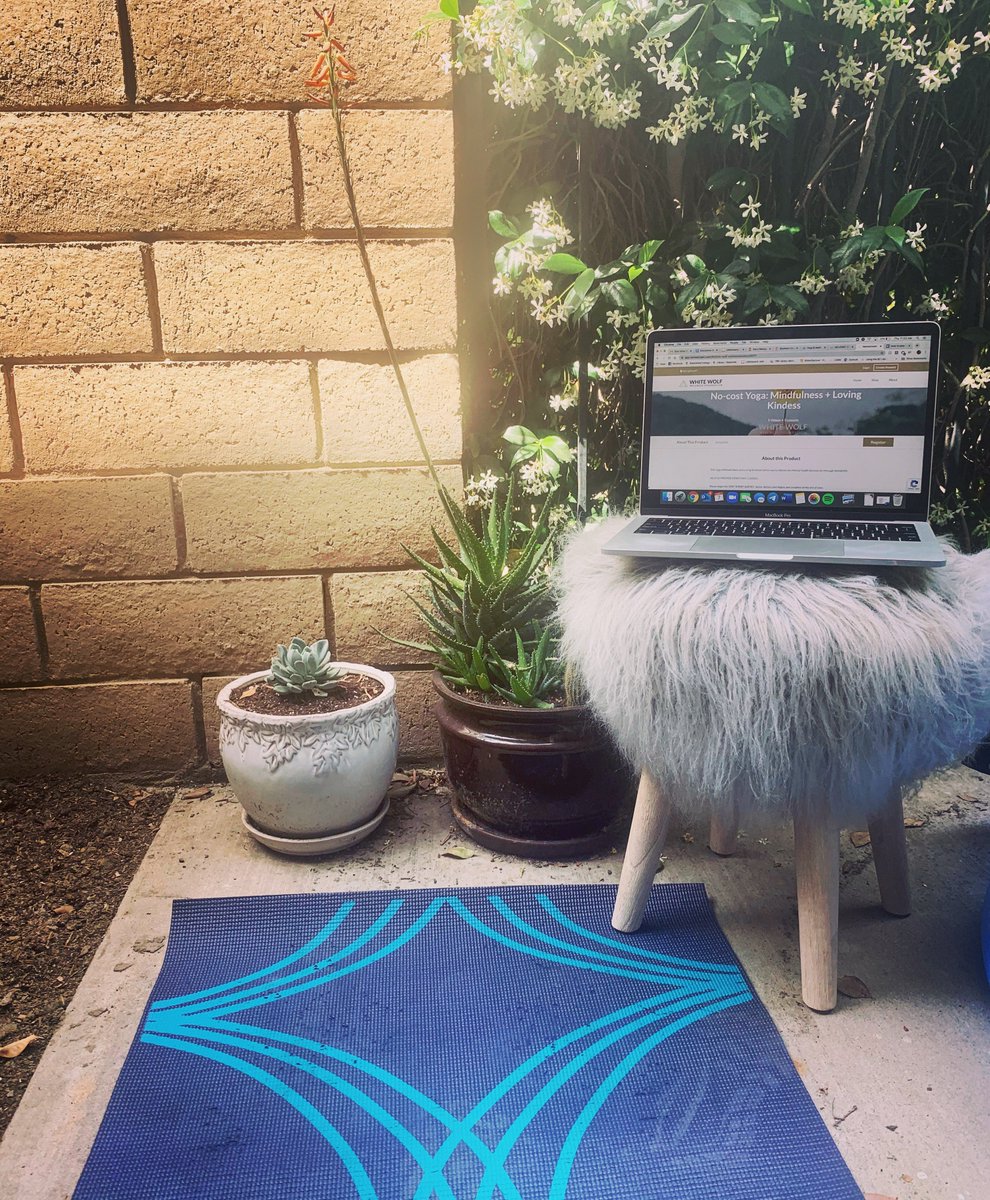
[761, 690]
[799, 691]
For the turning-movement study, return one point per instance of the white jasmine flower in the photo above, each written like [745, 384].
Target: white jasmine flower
[739, 132]
[933, 303]
[812, 283]
[977, 378]
[501, 285]
[798, 102]
[915, 238]
[931, 80]
[535, 481]
[751, 208]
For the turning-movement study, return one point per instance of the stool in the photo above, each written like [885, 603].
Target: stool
[816, 694]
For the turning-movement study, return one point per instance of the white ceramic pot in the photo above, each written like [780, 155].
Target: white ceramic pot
[311, 776]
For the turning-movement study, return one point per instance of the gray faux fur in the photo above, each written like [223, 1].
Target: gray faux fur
[777, 687]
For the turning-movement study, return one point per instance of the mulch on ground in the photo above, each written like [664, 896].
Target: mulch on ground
[68, 851]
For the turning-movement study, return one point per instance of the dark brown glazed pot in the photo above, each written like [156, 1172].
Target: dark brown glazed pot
[544, 783]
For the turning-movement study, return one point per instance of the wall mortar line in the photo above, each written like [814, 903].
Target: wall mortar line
[295, 158]
[329, 623]
[178, 525]
[194, 106]
[154, 308]
[128, 64]
[199, 719]
[216, 357]
[83, 473]
[14, 421]
[325, 233]
[40, 633]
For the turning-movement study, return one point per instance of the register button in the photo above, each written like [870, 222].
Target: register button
[878, 441]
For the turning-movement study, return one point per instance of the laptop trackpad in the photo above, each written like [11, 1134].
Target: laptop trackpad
[773, 548]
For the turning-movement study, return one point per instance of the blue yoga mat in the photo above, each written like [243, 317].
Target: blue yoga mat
[475, 1044]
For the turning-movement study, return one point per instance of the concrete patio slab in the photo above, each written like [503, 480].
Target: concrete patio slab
[900, 1078]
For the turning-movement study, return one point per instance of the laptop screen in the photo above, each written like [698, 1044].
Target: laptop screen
[798, 420]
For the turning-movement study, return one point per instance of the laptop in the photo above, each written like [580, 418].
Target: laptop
[799, 443]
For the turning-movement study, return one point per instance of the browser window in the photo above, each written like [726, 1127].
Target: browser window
[832, 421]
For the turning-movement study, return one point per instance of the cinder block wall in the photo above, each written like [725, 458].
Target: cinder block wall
[202, 449]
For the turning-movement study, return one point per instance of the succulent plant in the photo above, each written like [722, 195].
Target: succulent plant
[490, 609]
[300, 669]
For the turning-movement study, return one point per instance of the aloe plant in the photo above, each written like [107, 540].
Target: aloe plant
[302, 669]
[491, 609]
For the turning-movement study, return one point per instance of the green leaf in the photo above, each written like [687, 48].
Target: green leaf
[524, 454]
[856, 247]
[634, 273]
[647, 250]
[755, 299]
[912, 256]
[798, 6]
[518, 435]
[788, 297]
[732, 35]
[905, 205]
[896, 234]
[687, 294]
[502, 224]
[695, 263]
[739, 10]
[621, 293]
[670, 24]
[564, 264]
[577, 300]
[726, 177]
[772, 100]
[556, 446]
[735, 94]
[450, 9]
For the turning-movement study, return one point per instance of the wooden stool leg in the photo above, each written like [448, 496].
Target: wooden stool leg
[724, 832]
[816, 860]
[890, 857]
[651, 817]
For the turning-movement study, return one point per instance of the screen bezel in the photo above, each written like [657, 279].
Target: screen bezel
[916, 505]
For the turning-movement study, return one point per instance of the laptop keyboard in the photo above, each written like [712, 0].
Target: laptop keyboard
[860, 531]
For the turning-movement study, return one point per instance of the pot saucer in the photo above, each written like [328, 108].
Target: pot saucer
[301, 847]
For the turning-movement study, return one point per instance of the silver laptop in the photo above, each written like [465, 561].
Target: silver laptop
[801, 443]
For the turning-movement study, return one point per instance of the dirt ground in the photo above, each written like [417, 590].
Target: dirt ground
[68, 850]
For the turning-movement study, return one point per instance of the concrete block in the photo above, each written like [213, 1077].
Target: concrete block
[54, 56]
[104, 172]
[119, 727]
[171, 415]
[175, 626]
[309, 520]
[402, 164]
[419, 733]
[349, 391]
[20, 661]
[365, 602]
[73, 528]
[303, 296]
[255, 50]
[69, 300]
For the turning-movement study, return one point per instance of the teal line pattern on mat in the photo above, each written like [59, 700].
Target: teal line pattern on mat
[687, 991]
